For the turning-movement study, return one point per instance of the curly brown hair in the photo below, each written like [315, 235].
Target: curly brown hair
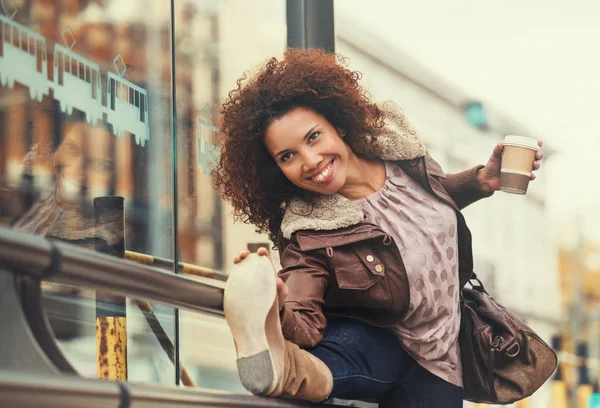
[249, 177]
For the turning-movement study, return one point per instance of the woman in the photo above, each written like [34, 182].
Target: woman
[372, 242]
[83, 168]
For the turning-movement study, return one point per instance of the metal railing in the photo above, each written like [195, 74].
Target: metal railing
[20, 390]
[32, 255]
[42, 383]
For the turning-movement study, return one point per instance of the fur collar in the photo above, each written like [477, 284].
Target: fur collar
[397, 141]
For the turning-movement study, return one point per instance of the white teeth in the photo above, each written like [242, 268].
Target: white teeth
[324, 174]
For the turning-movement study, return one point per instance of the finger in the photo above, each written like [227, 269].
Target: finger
[282, 290]
[539, 155]
[498, 149]
[536, 165]
[244, 254]
[540, 143]
[263, 251]
[532, 177]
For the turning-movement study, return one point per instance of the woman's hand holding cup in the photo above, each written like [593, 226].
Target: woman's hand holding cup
[490, 178]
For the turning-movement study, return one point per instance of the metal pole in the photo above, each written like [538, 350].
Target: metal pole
[175, 187]
[310, 24]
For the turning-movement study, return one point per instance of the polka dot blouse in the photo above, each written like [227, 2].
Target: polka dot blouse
[424, 229]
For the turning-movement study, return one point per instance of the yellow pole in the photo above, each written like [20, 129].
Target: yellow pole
[111, 347]
[183, 267]
[111, 324]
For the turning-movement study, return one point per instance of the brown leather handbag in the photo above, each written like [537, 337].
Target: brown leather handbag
[503, 359]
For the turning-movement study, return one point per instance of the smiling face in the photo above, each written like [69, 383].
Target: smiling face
[309, 151]
[83, 165]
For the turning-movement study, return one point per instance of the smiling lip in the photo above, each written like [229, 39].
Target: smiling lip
[320, 171]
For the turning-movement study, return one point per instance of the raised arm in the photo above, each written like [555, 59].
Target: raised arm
[465, 187]
[481, 181]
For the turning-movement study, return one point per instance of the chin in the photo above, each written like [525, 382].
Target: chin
[329, 189]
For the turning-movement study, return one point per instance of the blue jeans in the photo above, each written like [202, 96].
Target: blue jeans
[368, 363]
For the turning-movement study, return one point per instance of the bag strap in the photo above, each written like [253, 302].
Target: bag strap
[491, 374]
[479, 285]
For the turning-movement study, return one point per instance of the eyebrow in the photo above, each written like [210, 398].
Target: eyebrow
[304, 138]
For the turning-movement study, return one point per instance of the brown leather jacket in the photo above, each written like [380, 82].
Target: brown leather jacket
[335, 264]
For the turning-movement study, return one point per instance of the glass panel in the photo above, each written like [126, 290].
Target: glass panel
[205, 75]
[82, 168]
[74, 315]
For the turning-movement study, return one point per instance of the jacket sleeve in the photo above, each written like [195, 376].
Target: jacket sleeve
[463, 187]
[307, 277]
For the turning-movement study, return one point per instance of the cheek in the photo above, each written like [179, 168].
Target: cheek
[291, 173]
[342, 147]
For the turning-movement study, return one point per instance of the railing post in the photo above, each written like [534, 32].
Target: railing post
[111, 324]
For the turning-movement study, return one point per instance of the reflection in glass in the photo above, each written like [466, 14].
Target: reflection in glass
[200, 206]
[83, 86]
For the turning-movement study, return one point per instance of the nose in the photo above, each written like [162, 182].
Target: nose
[311, 161]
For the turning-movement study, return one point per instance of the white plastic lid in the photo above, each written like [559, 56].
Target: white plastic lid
[521, 141]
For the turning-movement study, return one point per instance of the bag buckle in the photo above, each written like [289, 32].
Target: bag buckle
[496, 341]
[513, 350]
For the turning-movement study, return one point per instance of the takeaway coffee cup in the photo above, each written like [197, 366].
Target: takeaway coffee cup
[517, 163]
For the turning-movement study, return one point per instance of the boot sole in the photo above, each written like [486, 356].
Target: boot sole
[252, 313]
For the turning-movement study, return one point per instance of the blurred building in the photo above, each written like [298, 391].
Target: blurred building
[580, 298]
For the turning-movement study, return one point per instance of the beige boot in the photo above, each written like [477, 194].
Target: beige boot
[268, 364]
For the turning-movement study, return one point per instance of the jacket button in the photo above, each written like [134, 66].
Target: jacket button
[370, 258]
[378, 268]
